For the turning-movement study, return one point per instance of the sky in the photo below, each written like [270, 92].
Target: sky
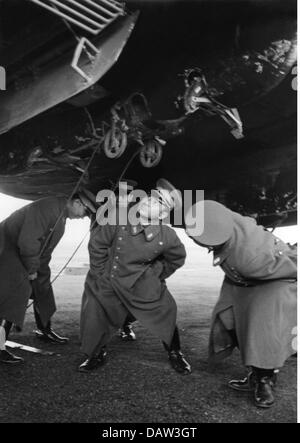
[76, 229]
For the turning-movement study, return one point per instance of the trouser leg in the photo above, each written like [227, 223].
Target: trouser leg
[2, 336]
[45, 332]
[5, 327]
[128, 320]
[176, 358]
[99, 322]
[260, 372]
[39, 322]
[97, 325]
[233, 336]
[175, 343]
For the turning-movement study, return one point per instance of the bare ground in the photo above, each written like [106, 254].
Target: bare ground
[136, 384]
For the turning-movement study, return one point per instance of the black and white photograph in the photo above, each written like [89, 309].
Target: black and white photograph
[148, 214]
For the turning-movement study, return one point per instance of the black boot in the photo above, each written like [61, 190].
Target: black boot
[179, 363]
[94, 362]
[46, 333]
[246, 384]
[51, 337]
[126, 332]
[9, 358]
[5, 356]
[264, 385]
[176, 357]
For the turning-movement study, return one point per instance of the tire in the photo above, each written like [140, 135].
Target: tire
[115, 145]
[151, 154]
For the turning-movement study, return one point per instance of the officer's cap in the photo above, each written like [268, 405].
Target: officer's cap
[168, 194]
[218, 223]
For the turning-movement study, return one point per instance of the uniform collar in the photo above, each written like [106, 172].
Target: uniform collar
[150, 231]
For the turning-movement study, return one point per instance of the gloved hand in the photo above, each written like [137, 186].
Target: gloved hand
[32, 277]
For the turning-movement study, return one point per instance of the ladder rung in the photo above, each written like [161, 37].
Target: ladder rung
[89, 11]
[61, 14]
[72, 11]
[93, 16]
[100, 8]
[112, 5]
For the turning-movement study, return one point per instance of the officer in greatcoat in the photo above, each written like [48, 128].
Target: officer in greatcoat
[27, 240]
[257, 308]
[129, 264]
[123, 199]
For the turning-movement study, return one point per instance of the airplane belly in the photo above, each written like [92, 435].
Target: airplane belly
[209, 71]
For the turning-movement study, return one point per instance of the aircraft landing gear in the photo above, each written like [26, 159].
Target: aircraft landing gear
[115, 138]
[128, 125]
[115, 143]
[151, 153]
[198, 97]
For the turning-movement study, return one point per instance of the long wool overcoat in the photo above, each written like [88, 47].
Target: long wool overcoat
[22, 239]
[128, 268]
[258, 297]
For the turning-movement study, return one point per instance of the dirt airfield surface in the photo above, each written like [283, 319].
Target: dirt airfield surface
[136, 384]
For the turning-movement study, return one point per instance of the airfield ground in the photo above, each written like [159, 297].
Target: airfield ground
[136, 384]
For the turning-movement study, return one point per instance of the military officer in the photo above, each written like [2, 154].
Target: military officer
[123, 198]
[128, 267]
[124, 194]
[27, 240]
[256, 310]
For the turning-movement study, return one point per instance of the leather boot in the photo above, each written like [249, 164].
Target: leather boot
[93, 362]
[264, 385]
[50, 336]
[246, 384]
[263, 394]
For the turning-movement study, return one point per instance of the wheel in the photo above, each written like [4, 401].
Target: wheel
[115, 143]
[151, 154]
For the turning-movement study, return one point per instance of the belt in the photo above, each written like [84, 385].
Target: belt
[252, 283]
